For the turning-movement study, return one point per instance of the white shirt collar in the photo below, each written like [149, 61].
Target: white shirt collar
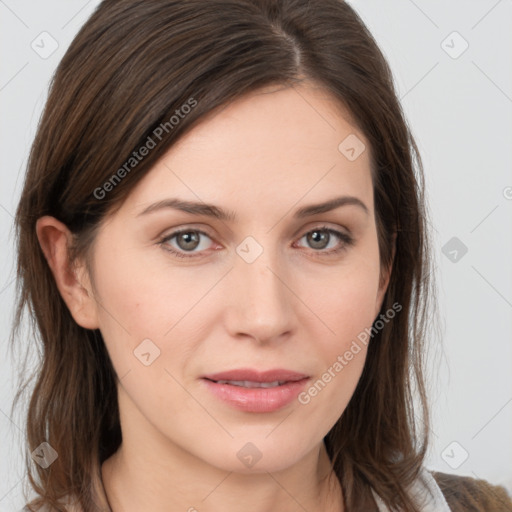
[426, 492]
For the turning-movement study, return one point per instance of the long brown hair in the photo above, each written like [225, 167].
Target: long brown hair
[130, 68]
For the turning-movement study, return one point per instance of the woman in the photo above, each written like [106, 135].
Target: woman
[222, 241]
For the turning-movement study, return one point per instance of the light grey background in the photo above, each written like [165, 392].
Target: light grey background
[459, 108]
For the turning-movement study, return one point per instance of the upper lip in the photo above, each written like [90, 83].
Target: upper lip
[249, 374]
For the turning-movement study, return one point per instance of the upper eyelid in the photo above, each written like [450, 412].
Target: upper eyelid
[320, 227]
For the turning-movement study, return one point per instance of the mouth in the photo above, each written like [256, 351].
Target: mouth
[251, 384]
[240, 376]
[253, 391]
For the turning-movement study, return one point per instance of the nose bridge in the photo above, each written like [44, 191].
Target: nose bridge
[261, 301]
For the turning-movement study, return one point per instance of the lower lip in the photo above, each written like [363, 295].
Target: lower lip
[257, 399]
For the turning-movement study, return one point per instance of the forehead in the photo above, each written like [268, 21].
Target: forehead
[269, 148]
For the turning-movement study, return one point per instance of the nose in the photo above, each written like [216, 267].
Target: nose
[260, 305]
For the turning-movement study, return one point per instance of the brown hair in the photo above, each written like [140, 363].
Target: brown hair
[131, 66]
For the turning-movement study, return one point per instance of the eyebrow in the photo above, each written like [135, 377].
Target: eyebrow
[211, 210]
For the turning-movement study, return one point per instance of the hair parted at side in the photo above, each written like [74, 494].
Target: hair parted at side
[130, 68]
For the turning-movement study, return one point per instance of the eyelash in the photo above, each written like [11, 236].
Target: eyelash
[346, 239]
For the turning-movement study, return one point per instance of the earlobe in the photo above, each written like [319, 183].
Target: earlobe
[55, 240]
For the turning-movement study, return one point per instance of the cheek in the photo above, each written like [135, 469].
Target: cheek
[143, 298]
[339, 338]
[343, 299]
[346, 310]
[347, 306]
[146, 299]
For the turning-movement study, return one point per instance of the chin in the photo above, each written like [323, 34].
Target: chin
[257, 456]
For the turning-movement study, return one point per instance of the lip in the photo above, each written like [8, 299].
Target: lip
[256, 376]
[258, 400]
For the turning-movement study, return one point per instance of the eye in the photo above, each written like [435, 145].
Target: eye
[320, 238]
[187, 241]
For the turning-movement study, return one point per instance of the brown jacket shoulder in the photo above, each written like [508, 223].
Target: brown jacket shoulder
[467, 494]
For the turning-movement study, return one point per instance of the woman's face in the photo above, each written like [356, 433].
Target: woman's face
[262, 288]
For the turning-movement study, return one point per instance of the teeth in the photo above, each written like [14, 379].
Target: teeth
[249, 384]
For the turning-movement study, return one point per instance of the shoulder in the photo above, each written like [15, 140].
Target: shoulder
[467, 494]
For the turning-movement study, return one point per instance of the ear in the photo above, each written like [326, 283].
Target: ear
[72, 280]
[383, 286]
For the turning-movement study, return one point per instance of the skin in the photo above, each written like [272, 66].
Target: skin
[294, 307]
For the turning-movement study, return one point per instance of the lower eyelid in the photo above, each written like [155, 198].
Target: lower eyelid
[165, 240]
[344, 239]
